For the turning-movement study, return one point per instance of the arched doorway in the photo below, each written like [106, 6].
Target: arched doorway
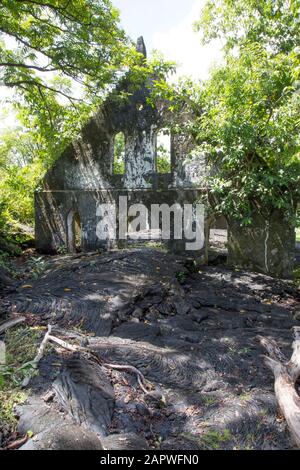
[74, 232]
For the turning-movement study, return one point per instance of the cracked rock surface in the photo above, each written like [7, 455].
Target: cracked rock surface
[192, 334]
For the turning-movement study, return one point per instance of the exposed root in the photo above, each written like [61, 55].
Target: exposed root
[140, 378]
[10, 323]
[34, 364]
[286, 374]
[17, 443]
[76, 348]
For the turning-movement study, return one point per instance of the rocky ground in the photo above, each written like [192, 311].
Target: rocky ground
[192, 332]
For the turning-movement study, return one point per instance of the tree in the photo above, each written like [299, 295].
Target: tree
[249, 130]
[20, 170]
[250, 124]
[76, 39]
[59, 57]
[274, 24]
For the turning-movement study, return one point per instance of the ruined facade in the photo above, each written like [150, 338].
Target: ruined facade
[83, 177]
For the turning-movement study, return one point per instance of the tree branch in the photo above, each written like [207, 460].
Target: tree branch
[286, 375]
[50, 57]
[41, 85]
[27, 66]
[59, 10]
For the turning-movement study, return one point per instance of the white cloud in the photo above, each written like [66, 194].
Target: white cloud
[183, 45]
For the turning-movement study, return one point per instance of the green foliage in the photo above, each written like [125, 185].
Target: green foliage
[163, 164]
[271, 23]
[181, 277]
[61, 61]
[249, 126]
[213, 440]
[210, 440]
[27, 151]
[119, 154]
[78, 39]
[21, 348]
[9, 398]
[163, 159]
[250, 132]
[20, 171]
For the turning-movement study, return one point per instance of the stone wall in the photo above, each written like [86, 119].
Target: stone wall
[83, 176]
[53, 209]
[266, 246]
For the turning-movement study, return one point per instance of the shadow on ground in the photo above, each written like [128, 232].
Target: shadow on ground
[193, 336]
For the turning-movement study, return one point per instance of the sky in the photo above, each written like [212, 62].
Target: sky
[167, 25]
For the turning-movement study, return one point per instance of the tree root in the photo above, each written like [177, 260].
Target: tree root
[17, 443]
[140, 378]
[34, 364]
[84, 350]
[10, 323]
[286, 375]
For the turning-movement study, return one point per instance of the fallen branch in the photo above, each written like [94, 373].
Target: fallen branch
[10, 323]
[34, 364]
[140, 378]
[17, 443]
[286, 374]
[74, 348]
[65, 345]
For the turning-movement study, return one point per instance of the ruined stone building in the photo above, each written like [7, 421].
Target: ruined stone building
[84, 177]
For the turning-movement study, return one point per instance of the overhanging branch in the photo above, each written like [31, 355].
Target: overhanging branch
[27, 66]
[21, 83]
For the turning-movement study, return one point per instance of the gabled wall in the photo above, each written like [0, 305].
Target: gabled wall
[83, 176]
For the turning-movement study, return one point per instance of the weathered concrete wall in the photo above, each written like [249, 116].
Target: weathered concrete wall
[140, 155]
[88, 162]
[53, 208]
[189, 168]
[83, 176]
[267, 246]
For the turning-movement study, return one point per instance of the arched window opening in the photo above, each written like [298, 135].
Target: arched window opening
[119, 154]
[163, 155]
[74, 232]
